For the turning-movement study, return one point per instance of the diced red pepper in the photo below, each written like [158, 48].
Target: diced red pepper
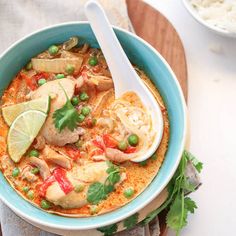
[130, 150]
[109, 141]
[72, 152]
[44, 186]
[60, 176]
[99, 143]
[40, 75]
[96, 152]
[31, 83]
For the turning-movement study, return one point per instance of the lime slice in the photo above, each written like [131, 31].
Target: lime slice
[11, 112]
[23, 131]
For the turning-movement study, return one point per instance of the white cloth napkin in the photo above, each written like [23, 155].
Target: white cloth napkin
[21, 17]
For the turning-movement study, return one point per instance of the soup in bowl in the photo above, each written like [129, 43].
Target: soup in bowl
[67, 144]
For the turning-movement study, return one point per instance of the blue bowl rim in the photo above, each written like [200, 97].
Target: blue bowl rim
[37, 222]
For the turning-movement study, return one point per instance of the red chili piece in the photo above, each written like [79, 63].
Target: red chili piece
[44, 186]
[130, 150]
[64, 183]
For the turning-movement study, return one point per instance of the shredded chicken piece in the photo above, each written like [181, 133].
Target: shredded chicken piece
[40, 143]
[106, 123]
[42, 165]
[26, 174]
[52, 156]
[118, 156]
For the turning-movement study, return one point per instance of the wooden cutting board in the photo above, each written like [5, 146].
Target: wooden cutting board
[153, 27]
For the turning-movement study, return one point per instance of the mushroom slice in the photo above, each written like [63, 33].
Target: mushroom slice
[42, 165]
[52, 156]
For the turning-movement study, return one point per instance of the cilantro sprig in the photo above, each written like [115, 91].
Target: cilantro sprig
[98, 191]
[67, 116]
[179, 205]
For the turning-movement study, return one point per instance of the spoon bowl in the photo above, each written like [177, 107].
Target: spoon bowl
[124, 76]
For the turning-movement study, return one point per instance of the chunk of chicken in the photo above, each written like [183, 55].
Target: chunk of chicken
[103, 83]
[52, 156]
[117, 155]
[42, 165]
[87, 174]
[55, 89]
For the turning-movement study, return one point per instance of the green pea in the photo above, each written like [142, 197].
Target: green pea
[154, 157]
[60, 76]
[133, 140]
[15, 172]
[35, 171]
[42, 81]
[85, 111]
[34, 153]
[93, 209]
[79, 188]
[75, 101]
[28, 66]
[93, 61]
[53, 50]
[30, 194]
[122, 145]
[143, 163]
[83, 96]
[70, 69]
[25, 189]
[81, 118]
[45, 204]
[129, 192]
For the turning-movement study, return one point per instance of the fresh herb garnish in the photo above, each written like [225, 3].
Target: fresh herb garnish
[179, 205]
[108, 230]
[98, 191]
[67, 116]
[131, 221]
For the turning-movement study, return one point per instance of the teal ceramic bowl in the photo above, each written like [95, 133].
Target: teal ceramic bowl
[141, 54]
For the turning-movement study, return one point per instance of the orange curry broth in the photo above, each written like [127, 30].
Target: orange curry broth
[138, 177]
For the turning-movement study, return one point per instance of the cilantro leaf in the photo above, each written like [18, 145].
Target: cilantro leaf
[96, 193]
[108, 230]
[190, 205]
[197, 164]
[179, 205]
[67, 116]
[131, 221]
[177, 216]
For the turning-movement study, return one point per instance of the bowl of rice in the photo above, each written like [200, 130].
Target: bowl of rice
[217, 15]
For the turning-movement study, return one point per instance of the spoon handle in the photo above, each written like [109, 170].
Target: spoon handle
[116, 58]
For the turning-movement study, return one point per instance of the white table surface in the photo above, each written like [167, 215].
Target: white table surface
[212, 111]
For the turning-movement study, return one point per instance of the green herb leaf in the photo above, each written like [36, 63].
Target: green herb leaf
[108, 230]
[179, 205]
[197, 164]
[131, 221]
[96, 193]
[177, 216]
[67, 116]
[190, 205]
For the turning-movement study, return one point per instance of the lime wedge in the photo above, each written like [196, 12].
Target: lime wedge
[23, 131]
[11, 112]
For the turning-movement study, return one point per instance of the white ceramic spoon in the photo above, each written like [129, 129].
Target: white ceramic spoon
[123, 74]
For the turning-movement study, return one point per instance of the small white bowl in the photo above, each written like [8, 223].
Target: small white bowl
[198, 18]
